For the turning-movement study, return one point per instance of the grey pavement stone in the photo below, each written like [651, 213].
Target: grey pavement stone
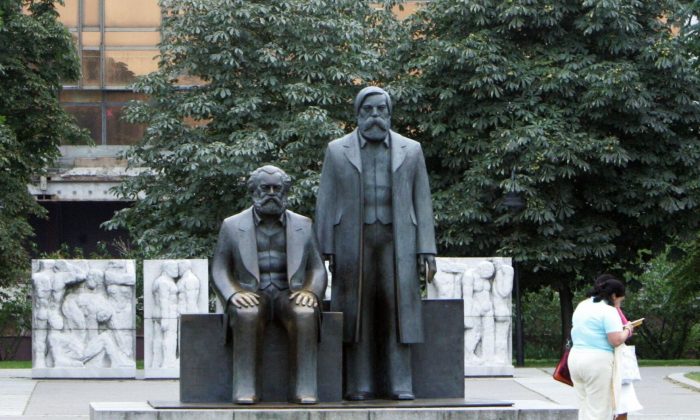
[73, 396]
[498, 388]
[661, 397]
[14, 396]
[547, 387]
[15, 373]
[532, 390]
[681, 379]
[84, 373]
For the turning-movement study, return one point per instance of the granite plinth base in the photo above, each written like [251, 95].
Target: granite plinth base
[437, 363]
[521, 410]
[338, 405]
[206, 361]
[480, 371]
[84, 373]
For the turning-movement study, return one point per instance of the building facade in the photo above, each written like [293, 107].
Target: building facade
[117, 41]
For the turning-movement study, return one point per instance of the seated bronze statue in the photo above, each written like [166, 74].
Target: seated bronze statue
[267, 267]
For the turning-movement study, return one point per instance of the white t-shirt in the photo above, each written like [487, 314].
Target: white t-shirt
[592, 321]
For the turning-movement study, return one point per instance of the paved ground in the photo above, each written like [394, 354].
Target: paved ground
[25, 399]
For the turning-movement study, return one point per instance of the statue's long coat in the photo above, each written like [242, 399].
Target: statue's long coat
[339, 221]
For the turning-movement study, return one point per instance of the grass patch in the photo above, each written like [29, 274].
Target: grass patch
[15, 364]
[540, 363]
[693, 375]
[671, 362]
[27, 364]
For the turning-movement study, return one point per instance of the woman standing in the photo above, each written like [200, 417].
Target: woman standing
[597, 330]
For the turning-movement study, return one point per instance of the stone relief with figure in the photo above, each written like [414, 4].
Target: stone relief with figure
[83, 318]
[485, 285]
[171, 288]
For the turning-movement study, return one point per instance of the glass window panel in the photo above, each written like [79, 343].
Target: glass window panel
[123, 96]
[132, 14]
[91, 39]
[91, 68]
[88, 116]
[68, 13]
[120, 132]
[74, 36]
[91, 12]
[132, 39]
[80, 96]
[122, 67]
[70, 83]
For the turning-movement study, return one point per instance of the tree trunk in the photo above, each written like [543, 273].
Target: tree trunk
[566, 308]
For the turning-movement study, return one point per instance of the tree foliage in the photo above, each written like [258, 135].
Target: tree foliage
[588, 109]
[668, 297]
[276, 81]
[36, 53]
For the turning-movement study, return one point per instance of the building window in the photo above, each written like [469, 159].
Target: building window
[117, 41]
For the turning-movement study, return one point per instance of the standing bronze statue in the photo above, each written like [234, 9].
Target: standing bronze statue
[374, 221]
[267, 266]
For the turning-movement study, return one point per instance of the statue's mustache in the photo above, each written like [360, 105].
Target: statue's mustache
[279, 203]
[269, 198]
[376, 122]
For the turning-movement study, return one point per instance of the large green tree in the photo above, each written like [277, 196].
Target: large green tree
[588, 109]
[36, 53]
[272, 82]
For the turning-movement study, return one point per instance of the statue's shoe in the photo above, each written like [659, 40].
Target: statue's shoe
[305, 400]
[403, 396]
[245, 400]
[359, 396]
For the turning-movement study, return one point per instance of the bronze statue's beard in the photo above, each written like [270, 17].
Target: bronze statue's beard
[374, 129]
[270, 206]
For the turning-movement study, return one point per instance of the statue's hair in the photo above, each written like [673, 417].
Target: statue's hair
[368, 91]
[269, 169]
[169, 263]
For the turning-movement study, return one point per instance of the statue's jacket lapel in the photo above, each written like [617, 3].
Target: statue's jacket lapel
[295, 239]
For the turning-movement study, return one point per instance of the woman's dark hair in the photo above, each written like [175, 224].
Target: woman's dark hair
[605, 286]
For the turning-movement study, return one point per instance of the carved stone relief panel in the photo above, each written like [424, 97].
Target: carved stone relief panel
[83, 318]
[170, 288]
[485, 285]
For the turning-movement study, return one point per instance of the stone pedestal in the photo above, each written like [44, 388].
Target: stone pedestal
[206, 363]
[170, 288]
[521, 410]
[83, 319]
[485, 285]
[206, 374]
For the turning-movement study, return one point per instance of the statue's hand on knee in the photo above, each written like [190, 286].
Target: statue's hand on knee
[245, 299]
[304, 298]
